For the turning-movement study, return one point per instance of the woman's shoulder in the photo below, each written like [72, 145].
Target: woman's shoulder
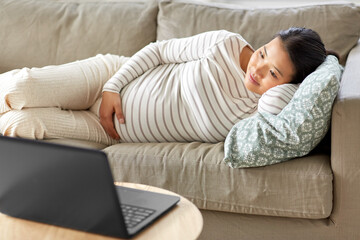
[226, 36]
[224, 33]
[232, 35]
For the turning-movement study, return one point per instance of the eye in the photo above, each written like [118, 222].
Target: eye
[261, 54]
[273, 74]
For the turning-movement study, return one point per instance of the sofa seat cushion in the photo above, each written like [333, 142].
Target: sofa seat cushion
[301, 188]
[76, 143]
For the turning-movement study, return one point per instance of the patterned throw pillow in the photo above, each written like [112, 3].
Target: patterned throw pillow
[266, 139]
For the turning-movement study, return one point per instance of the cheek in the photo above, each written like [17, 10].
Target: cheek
[253, 60]
[268, 83]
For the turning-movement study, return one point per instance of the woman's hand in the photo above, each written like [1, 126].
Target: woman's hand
[110, 104]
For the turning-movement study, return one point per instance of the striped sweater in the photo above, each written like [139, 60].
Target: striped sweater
[182, 90]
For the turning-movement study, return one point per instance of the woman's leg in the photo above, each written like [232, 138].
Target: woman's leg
[76, 85]
[32, 100]
[45, 123]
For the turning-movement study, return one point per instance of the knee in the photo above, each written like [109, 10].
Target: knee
[21, 123]
[14, 85]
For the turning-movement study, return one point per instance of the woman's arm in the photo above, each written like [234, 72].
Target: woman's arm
[110, 104]
[275, 99]
[164, 52]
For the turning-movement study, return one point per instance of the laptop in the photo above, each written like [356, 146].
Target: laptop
[72, 187]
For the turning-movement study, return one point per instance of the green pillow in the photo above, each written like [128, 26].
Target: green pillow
[266, 139]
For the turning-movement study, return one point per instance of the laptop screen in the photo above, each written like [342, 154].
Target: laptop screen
[60, 185]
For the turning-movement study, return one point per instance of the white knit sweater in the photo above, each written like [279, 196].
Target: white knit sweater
[189, 89]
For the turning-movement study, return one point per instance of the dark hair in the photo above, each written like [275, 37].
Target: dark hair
[306, 50]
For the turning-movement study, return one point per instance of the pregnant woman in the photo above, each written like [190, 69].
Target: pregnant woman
[178, 90]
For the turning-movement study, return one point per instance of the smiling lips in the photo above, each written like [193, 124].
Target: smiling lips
[252, 79]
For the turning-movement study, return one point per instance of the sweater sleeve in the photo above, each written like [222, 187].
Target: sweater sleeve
[171, 51]
[275, 99]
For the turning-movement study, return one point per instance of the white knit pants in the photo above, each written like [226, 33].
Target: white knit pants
[57, 101]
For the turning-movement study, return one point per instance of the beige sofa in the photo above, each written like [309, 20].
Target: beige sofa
[313, 197]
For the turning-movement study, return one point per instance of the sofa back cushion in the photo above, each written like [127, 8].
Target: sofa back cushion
[35, 33]
[336, 23]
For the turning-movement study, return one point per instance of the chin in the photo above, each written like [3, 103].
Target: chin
[252, 88]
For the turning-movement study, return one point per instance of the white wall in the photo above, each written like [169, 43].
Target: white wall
[279, 3]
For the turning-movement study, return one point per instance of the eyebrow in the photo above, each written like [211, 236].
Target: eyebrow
[274, 66]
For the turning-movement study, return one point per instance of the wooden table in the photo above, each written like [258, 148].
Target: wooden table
[182, 222]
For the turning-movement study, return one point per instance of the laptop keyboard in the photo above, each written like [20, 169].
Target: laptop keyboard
[135, 215]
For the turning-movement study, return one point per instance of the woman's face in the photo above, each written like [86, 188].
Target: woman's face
[268, 67]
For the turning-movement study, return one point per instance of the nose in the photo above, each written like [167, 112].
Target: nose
[261, 69]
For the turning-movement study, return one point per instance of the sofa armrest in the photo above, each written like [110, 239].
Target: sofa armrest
[345, 148]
